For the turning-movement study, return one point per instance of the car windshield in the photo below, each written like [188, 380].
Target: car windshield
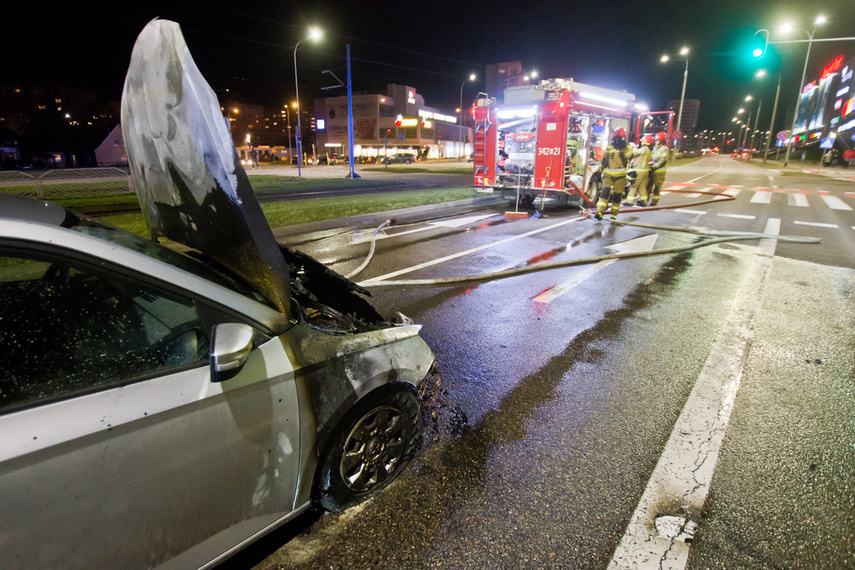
[188, 263]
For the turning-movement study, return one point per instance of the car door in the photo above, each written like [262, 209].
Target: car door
[116, 449]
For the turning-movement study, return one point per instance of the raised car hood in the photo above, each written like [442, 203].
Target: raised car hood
[186, 172]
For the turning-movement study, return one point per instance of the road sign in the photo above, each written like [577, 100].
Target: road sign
[782, 136]
[677, 134]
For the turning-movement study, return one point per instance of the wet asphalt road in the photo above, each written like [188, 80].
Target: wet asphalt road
[551, 417]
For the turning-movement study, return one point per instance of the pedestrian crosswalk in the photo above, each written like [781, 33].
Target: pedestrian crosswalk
[792, 197]
[760, 195]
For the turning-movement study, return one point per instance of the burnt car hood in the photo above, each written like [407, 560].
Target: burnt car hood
[186, 172]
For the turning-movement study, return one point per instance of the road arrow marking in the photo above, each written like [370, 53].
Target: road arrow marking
[643, 243]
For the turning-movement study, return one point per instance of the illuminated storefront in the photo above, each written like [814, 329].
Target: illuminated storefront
[397, 122]
[827, 108]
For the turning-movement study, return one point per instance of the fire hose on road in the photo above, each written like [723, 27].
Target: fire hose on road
[716, 237]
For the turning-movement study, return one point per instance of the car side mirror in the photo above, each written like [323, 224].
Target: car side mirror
[231, 344]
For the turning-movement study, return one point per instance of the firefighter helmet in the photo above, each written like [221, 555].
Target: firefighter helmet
[620, 132]
[647, 139]
[661, 136]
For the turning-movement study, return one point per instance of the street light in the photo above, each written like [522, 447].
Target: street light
[760, 74]
[460, 152]
[288, 121]
[684, 55]
[819, 20]
[314, 35]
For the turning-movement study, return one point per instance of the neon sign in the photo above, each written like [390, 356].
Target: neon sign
[832, 67]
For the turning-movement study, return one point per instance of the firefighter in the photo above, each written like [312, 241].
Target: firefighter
[613, 169]
[641, 166]
[658, 160]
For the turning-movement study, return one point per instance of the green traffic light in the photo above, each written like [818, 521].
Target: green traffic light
[758, 52]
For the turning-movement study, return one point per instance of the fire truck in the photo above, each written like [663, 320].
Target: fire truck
[547, 140]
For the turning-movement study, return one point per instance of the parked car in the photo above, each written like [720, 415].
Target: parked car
[160, 408]
[339, 159]
[399, 158]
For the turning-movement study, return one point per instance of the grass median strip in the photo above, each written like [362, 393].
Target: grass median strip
[291, 212]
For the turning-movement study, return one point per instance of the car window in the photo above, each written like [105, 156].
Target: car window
[68, 328]
[182, 261]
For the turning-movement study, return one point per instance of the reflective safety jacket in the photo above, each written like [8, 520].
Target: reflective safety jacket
[616, 160]
[659, 157]
[641, 157]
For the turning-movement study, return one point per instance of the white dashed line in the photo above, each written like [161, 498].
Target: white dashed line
[816, 225]
[692, 212]
[737, 216]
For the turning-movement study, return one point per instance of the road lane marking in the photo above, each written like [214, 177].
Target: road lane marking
[799, 200]
[468, 251]
[685, 468]
[731, 192]
[643, 243]
[817, 225]
[699, 193]
[761, 197]
[364, 236]
[836, 203]
[737, 216]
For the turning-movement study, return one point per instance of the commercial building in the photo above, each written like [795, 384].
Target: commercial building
[826, 112]
[689, 123]
[395, 122]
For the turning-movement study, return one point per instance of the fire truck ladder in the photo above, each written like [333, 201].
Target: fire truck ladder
[479, 158]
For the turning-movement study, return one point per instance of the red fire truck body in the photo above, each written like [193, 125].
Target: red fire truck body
[547, 140]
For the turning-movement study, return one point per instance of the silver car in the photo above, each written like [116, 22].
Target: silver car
[164, 409]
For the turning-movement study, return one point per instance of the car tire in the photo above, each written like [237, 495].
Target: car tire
[370, 447]
[409, 162]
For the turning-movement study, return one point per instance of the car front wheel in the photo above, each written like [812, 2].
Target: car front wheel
[371, 446]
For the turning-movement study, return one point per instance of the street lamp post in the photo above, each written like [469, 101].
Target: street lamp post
[819, 20]
[684, 55]
[460, 152]
[762, 73]
[314, 34]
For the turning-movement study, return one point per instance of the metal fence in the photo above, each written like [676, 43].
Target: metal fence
[67, 182]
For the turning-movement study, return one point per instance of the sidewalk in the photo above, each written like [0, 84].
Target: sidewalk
[837, 172]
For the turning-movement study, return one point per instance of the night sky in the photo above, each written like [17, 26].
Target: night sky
[247, 47]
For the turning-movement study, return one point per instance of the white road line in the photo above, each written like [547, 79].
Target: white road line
[737, 216]
[643, 243]
[797, 200]
[836, 203]
[699, 193]
[732, 192]
[685, 468]
[364, 236]
[693, 212]
[761, 197]
[817, 225]
[468, 251]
